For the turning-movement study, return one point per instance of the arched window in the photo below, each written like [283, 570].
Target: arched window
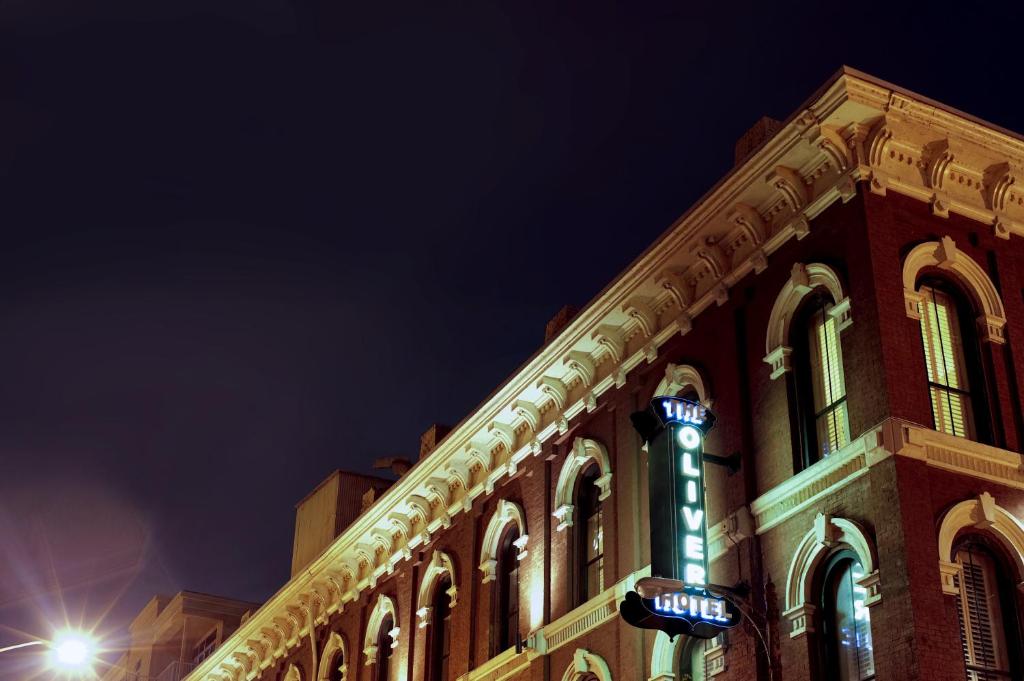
[333, 663]
[692, 665]
[441, 630]
[505, 595]
[987, 614]
[819, 382]
[589, 536]
[846, 621]
[384, 649]
[952, 359]
[336, 669]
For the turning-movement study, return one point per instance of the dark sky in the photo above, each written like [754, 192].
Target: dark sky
[232, 229]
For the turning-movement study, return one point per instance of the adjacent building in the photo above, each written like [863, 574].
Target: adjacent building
[849, 302]
[173, 635]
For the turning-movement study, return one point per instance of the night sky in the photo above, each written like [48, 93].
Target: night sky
[237, 234]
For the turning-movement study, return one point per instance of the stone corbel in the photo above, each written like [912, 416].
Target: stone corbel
[841, 313]
[489, 569]
[564, 516]
[990, 328]
[789, 183]
[779, 360]
[520, 544]
[750, 222]
[424, 617]
[801, 620]
[949, 573]
[872, 583]
[604, 484]
[912, 303]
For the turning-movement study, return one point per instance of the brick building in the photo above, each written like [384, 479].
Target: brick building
[174, 634]
[846, 300]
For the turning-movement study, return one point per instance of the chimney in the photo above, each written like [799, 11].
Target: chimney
[396, 464]
[759, 133]
[431, 437]
[560, 321]
[325, 512]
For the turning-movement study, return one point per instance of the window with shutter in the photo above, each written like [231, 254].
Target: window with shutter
[828, 383]
[948, 383]
[819, 384]
[982, 623]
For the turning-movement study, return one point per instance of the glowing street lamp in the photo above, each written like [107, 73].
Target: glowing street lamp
[70, 651]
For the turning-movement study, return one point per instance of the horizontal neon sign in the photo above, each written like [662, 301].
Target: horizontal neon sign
[694, 606]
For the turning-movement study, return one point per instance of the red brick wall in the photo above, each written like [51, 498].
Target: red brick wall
[899, 501]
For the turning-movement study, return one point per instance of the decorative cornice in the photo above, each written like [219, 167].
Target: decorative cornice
[855, 129]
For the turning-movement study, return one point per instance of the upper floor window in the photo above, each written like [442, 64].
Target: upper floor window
[441, 630]
[846, 622]
[803, 342]
[505, 627]
[987, 615]
[384, 649]
[957, 307]
[202, 650]
[831, 423]
[943, 337]
[820, 383]
[589, 536]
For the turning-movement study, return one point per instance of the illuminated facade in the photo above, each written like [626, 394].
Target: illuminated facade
[848, 301]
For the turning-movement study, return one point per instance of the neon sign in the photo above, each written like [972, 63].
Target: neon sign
[674, 429]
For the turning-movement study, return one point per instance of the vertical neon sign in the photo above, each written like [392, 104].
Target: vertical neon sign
[680, 523]
[682, 603]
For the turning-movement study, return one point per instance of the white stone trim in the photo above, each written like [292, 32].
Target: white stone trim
[802, 280]
[946, 256]
[584, 450]
[440, 565]
[982, 513]
[665, 657]
[586, 662]
[507, 512]
[824, 477]
[293, 674]
[679, 377]
[826, 537]
[335, 644]
[886, 132]
[384, 606]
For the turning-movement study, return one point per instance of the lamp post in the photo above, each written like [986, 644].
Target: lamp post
[70, 651]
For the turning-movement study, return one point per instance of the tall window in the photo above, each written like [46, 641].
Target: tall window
[505, 628]
[692, 665]
[384, 649]
[334, 670]
[948, 383]
[846, 622]
[441, 631]
[589, 536]
[987, 615]
[821, 383]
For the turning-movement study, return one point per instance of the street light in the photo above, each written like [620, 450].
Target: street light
[70, 651]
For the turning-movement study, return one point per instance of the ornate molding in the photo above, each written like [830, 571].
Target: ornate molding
[886, 133]
[945, 255]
